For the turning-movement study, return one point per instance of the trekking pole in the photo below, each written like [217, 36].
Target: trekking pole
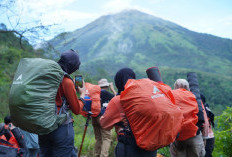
[86, 126]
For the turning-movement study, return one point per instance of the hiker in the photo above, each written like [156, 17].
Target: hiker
[60, 142]
[106, 95]
[106, 86]
[103, 136]
[114, 116]
[11, 136]
[210, 139]
[193, 146]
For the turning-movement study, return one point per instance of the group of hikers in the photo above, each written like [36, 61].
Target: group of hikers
[146, 114]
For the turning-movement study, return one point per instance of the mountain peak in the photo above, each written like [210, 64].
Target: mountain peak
[131, 11]
[136, 39]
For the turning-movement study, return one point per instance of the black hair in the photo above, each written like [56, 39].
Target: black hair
[7, 120]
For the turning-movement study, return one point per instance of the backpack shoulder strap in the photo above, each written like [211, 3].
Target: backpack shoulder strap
[67, 75]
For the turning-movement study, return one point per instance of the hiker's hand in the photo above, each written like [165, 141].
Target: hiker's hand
[111, 85]
[82, 90]
[11, 126]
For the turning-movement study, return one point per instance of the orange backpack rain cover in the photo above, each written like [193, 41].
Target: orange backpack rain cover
[94, 94]
[186, 100]
[153, 117]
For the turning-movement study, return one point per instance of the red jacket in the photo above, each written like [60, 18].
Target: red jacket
[114, 114]
[67, 89]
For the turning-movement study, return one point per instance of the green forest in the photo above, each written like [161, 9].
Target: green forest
[216, 89]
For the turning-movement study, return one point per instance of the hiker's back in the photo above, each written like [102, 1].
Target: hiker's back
[32, 95]
[188, 105]
[60, 142]
[154, 120]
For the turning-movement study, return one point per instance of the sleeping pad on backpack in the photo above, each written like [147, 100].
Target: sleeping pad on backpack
[33, 93]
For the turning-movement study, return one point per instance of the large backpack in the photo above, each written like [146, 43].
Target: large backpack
[186, 100]
[94, 93]
[33, 93]
[153, 117]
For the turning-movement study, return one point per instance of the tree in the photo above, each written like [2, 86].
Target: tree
[223, 134]
[31, 30]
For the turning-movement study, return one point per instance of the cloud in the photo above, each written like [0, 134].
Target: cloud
[51, 11]
[35, 8]
[43, 5]
[117, 5]
[62, 15]
[226, 21]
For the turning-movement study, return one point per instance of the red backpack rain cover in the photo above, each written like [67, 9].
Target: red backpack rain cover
[94, 94]
[186, 100]
[153, 117]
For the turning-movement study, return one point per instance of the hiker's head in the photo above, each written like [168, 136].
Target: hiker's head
[181, 83]
[103, 83]
[7, 120]
[203, 98]
[69, 61]
[121, 78]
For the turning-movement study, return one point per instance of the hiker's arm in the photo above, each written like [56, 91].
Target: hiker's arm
[205, 130]
[6, 133]
[112, 88]
[112, 115]
[70, 93]
[19, 137]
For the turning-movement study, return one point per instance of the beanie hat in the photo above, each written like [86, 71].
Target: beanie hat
[122, 76]
[69, 61]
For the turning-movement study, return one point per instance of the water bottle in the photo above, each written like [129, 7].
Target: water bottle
[88, 101]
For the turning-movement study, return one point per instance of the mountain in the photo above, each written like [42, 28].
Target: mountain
[138, 40]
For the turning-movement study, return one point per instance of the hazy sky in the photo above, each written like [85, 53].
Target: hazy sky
[206, 16]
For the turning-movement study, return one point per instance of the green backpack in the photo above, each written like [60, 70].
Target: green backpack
[33, 93]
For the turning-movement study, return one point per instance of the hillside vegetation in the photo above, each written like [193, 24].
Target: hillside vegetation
[10, 54]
